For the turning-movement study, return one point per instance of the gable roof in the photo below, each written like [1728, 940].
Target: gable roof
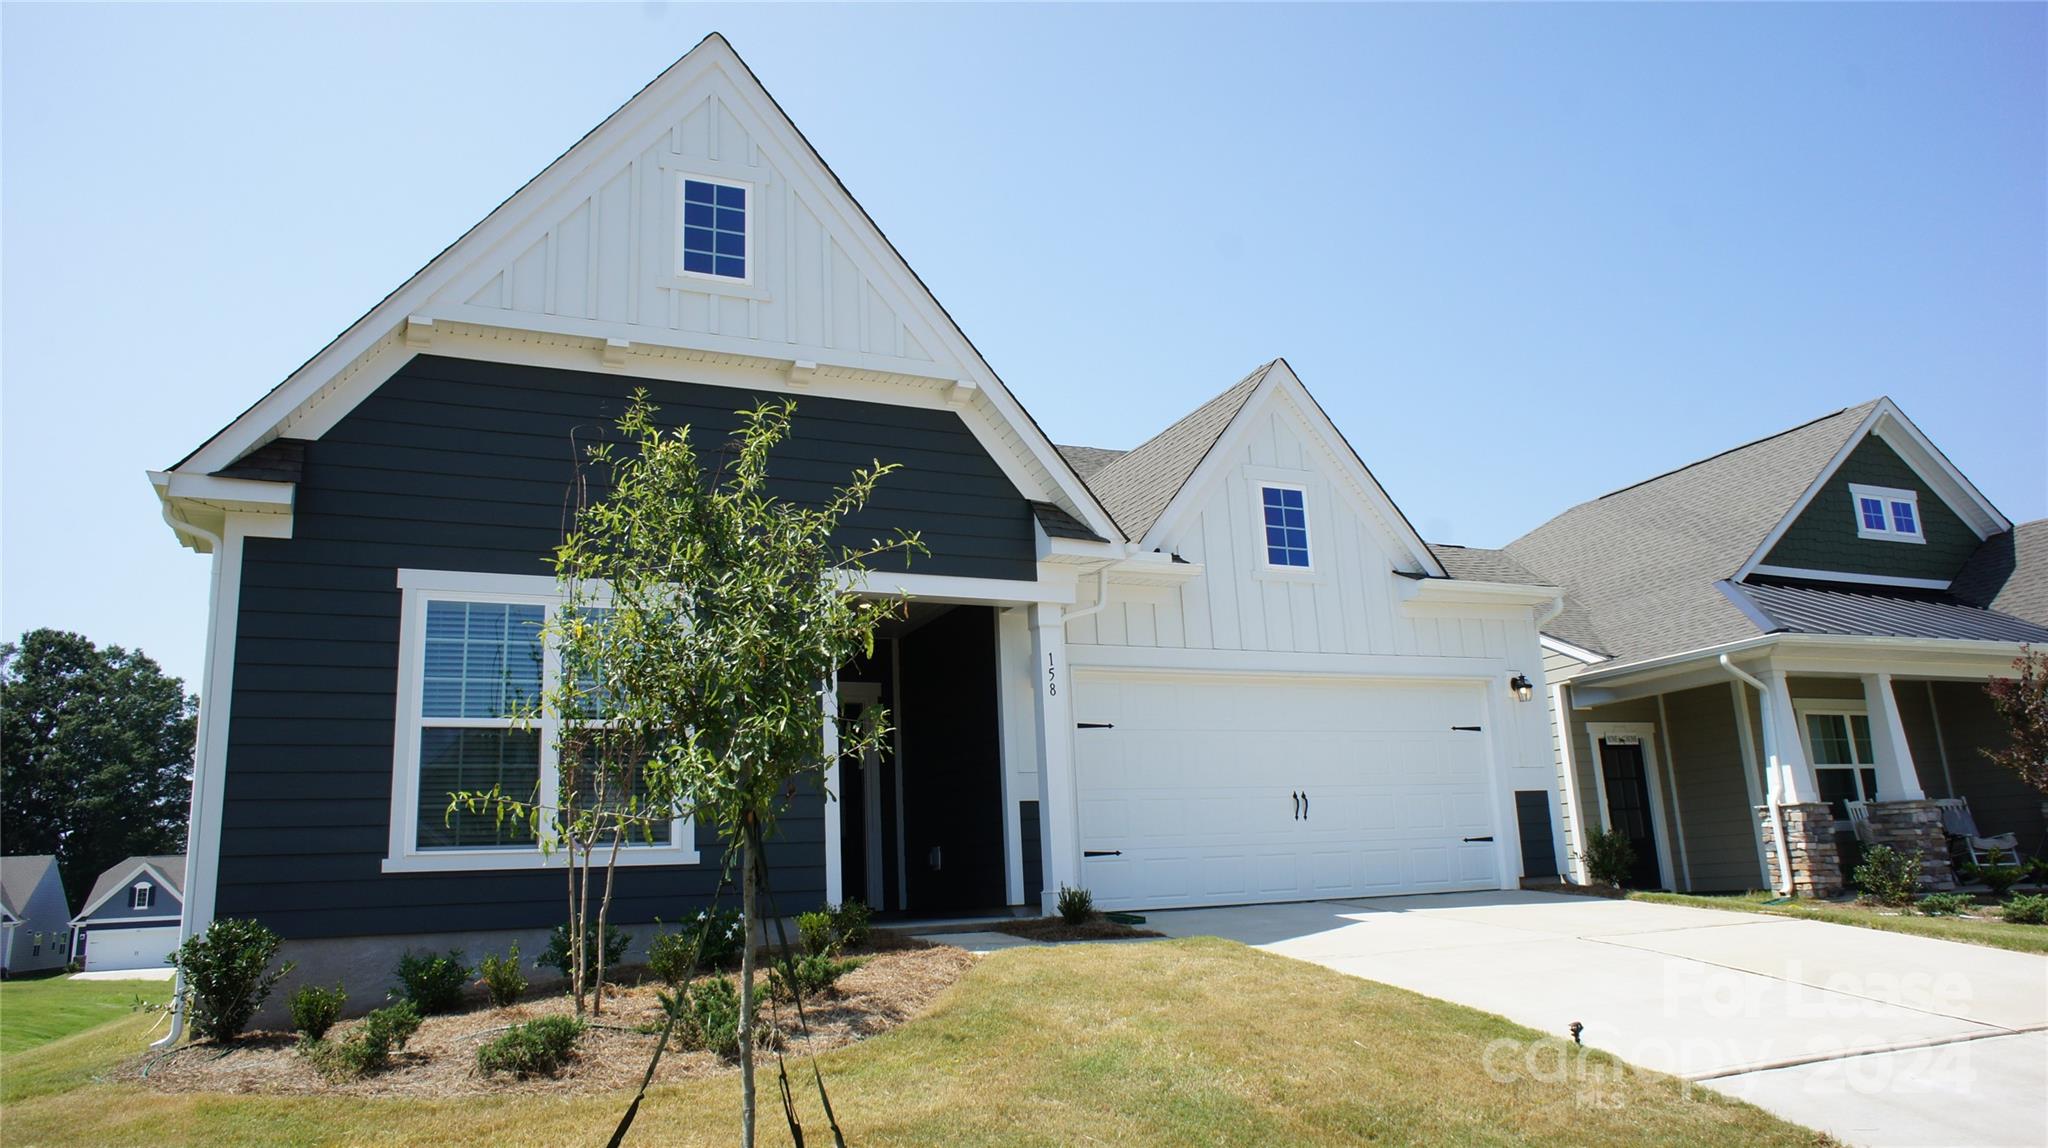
[1137, 486]
[1086, 460]
[169, 867]
[1641, 563]
[2009, 573]
[341, 373]
[19, 877]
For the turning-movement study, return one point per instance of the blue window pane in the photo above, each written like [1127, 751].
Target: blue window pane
[1295, 518]
[1902, 518]
[697, 191]
[697, 238]
[699, 214]
[474, 760]
[1291, 498]
[732, 196]
[731, 268]
[1873, 514]
[730, 243]
[445, 619]
[482, 659]
[697, 261]
[1276, 536]
[730, 220]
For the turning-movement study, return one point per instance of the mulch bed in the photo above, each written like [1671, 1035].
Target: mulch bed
[891, 987]
[1057, 929]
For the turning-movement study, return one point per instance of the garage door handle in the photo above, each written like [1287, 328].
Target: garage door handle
[1102, 852]
[1304, 805]
[1297, 804]
[1469, 840]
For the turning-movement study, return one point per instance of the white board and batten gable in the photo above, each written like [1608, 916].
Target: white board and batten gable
[585, 268]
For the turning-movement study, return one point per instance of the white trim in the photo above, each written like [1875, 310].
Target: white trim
[147, 889]
[1646, 734]
[1677, 806]
[1568, 781]
[1887, 498]
[403, 853]
[1284, 663]
[835, 865]
[1576, 653]
[947, 588]
[1857, 579]
[1462, 592]
[1058, 789]
[141, 868]
[1844, 708]
[698, 280]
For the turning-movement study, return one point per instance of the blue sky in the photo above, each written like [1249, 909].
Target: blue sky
[1523, 255]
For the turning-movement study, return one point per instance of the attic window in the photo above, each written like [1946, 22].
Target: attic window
[714, 229]
[1286, 517]
[142, 896]
[1886, 513]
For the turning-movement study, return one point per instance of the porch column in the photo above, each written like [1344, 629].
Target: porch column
[1057, 809]
[835, 876]
[1790, 775]
[1897, 779]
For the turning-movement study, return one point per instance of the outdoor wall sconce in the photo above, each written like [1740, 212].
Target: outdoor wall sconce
[1523, 690]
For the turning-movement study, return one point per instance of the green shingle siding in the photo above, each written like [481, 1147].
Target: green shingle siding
[1824, 536]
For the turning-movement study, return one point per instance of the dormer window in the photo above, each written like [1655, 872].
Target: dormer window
[142, 896]
[1886, 513]
[714, 229]
[1286, 516]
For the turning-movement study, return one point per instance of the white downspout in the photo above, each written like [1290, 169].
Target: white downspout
[193, 824]
[1774, 787]
[1101, 598]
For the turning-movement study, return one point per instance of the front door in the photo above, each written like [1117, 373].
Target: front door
[1628, 807]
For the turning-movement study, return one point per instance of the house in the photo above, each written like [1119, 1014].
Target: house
[32, 915]
[1220, 667]
[130, 919]
[1752, 642]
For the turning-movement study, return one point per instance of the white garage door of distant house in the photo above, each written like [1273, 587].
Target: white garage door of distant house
[107, 949]
[1205, 790]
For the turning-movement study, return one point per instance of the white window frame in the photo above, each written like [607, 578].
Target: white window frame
[1845, 709]
[1259, 488]
[1886, 495]
[142, 895]
[753, 199]
[417, 588]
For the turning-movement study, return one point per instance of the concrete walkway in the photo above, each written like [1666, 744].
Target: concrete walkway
[1879, 1038]
[164, 974]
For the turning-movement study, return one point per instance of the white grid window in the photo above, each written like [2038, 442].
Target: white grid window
[1886, 513]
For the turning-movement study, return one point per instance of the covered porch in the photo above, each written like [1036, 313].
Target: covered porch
[1725, 765]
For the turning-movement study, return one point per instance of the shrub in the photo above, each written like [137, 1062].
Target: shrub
[225, 975]
[432, 983]
[1995, 875]
[1946, 904]
[369, 1046]
[672, 956]
[1076, 905]
[538, 1046]
[1610, 857]
[810, 975]
[2038, 868]
[708, 1015]
[814, 933]
[559, 957]
[851, 924]
[502, 978]
[314, 1009]
[1888, 876]
[2028, 909]
[724, 936]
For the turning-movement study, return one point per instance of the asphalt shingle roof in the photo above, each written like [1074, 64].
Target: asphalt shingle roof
[2009, 573]
[19, 877]
[1057, 523]
[1809, 609]
[1086, 460]
[1641, 564]
[1136, 487]
[171, 865]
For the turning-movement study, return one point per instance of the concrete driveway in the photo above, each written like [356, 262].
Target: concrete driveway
[1878, 1038]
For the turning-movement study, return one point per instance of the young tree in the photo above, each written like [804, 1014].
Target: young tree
[703, 621]
[2023, 702]
[95, 754]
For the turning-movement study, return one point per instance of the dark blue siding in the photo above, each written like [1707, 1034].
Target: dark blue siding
[461, 465]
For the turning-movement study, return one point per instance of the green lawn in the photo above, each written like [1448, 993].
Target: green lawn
[1998, 934]
[45, 1008]
[1172, 1042]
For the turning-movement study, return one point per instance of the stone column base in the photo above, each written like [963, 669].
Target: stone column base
[1910, 825]
[1810, 842]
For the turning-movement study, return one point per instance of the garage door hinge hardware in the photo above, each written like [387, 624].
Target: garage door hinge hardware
[1466, 728]
[1102, 852]
[1094, 725]
[1469, 840]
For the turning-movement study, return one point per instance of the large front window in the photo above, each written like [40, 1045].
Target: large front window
[474, 673]
[1844, 766]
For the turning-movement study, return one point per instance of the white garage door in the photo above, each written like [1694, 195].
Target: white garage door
[1202, 790]
[128, 948]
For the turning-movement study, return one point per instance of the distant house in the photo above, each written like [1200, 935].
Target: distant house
[32, 915]
[130, 919]
[1787, 640]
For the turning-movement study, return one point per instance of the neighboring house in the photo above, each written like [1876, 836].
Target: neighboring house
[1220, 668]
[33, 915]
[1830, 599]
[130, 919]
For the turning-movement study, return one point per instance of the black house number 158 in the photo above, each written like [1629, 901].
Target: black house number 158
[1052, 678]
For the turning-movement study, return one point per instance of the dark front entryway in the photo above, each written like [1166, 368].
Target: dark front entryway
[921, 826]
[1628, 807]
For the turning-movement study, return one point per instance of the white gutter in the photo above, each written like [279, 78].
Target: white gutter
[1776, 787]
[194, 826]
